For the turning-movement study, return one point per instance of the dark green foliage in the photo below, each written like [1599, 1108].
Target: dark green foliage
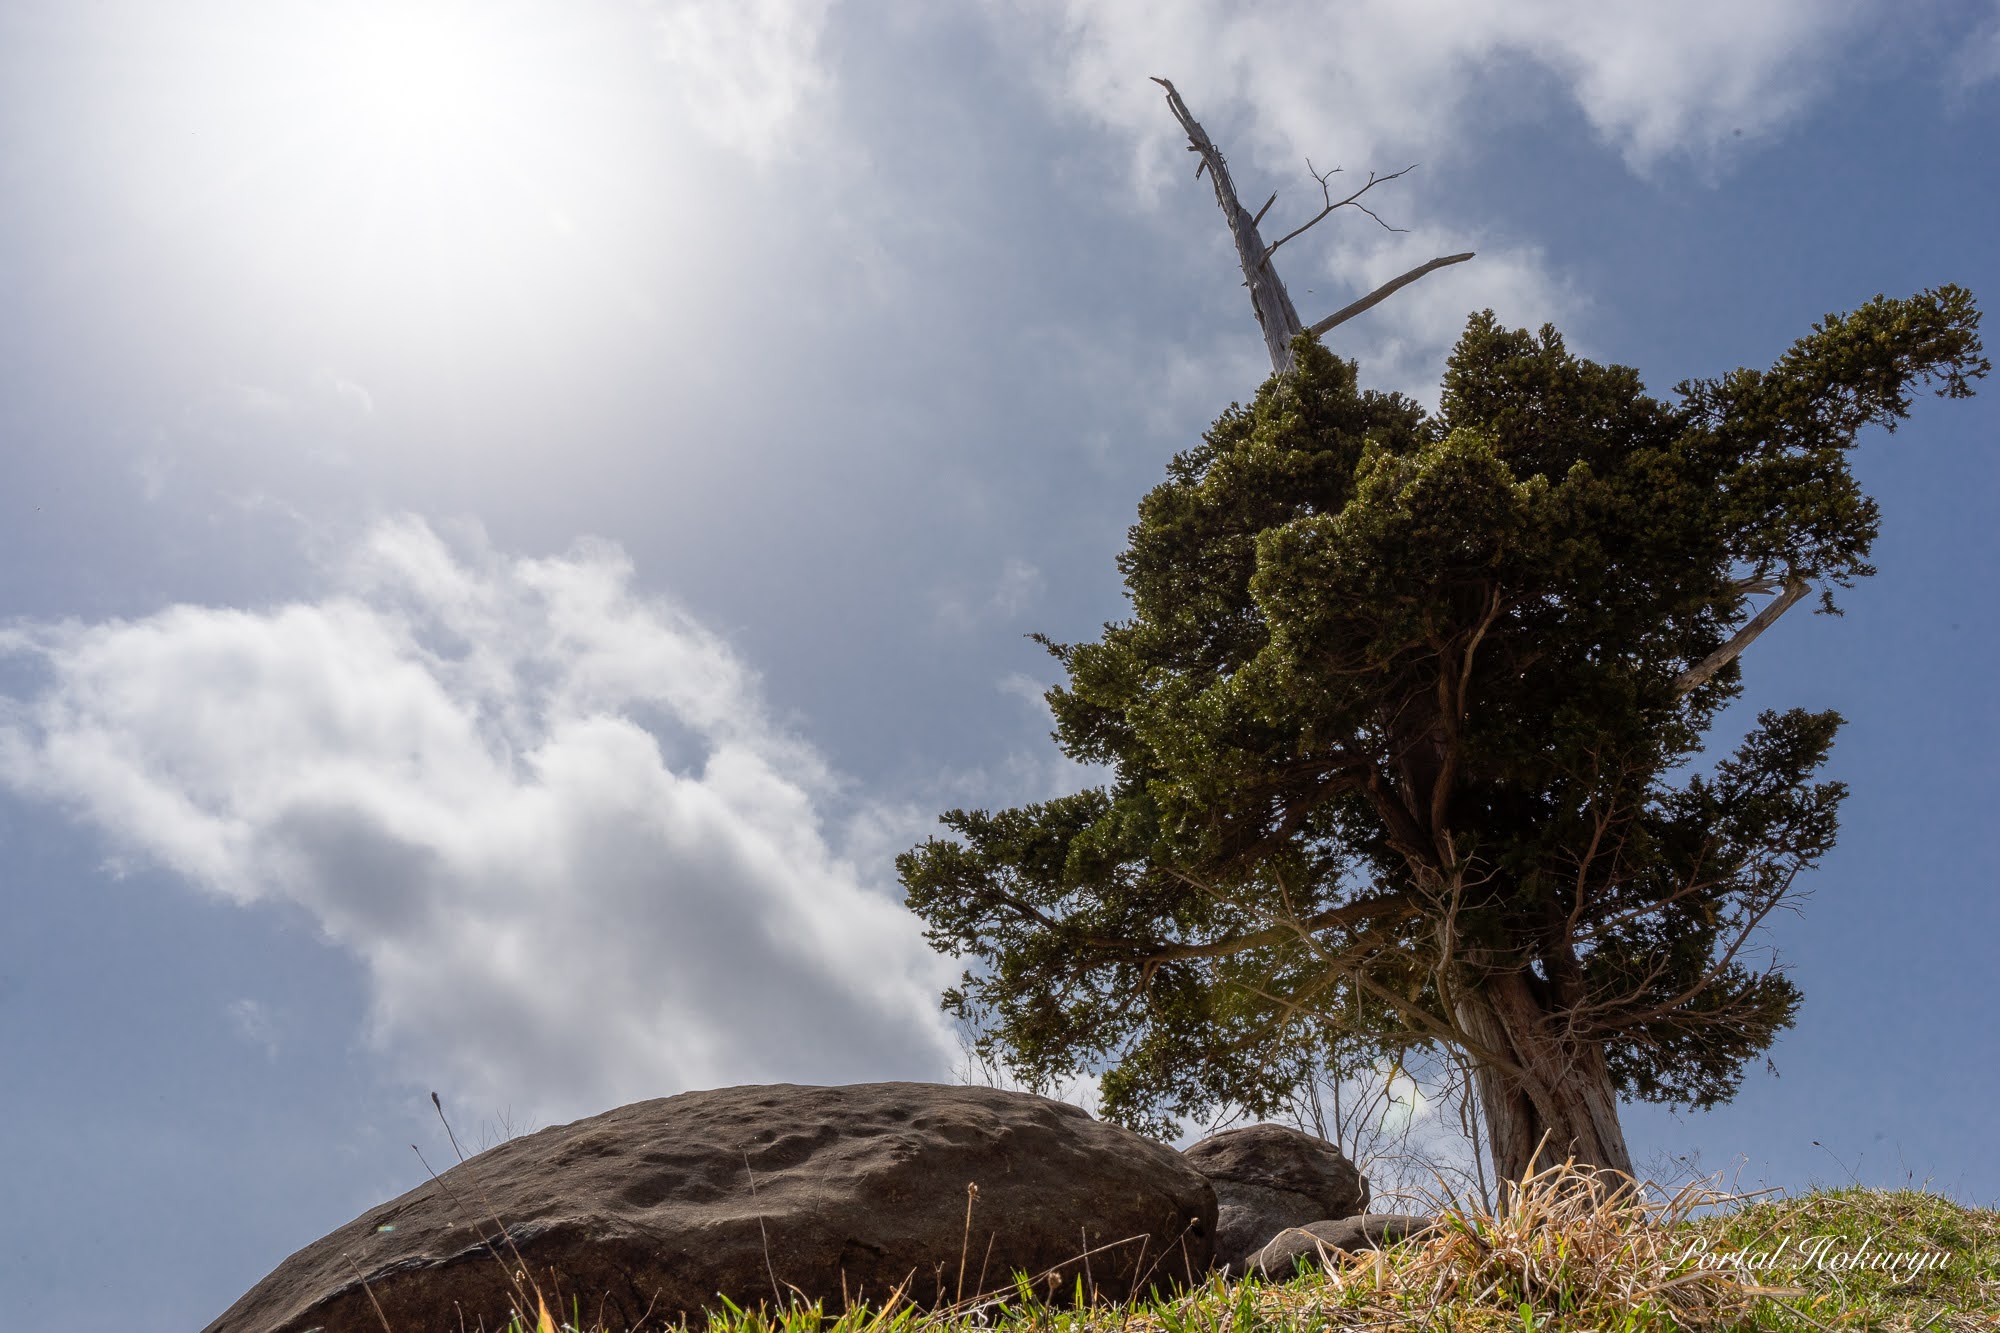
[1414, 682]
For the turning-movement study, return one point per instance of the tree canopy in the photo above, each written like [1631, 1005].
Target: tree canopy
[1400, 739]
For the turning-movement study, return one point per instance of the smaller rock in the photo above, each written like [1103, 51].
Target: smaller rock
[1269, 1177]
[1370, 1231]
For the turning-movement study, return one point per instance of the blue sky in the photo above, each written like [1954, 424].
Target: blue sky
[516, 512]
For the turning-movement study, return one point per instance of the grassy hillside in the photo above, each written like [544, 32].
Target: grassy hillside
[1573, 1256]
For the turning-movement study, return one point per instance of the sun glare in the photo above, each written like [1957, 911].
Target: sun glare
[414, 83]
[421, 170]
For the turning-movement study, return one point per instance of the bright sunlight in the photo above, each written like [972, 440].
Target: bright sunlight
[431, 171]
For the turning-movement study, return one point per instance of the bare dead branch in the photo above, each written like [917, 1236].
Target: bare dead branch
[1326, 192]
[1385, 291]
[1698, 675]
[1269, 300]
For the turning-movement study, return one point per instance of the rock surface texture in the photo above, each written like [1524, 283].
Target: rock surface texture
[1370, 1231]
[645, 1213]
[1269, 1177]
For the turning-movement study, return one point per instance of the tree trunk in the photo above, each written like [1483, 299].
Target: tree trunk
[1276, 315]
[1566, 1094]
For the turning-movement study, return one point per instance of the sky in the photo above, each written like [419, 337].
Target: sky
[516, 512]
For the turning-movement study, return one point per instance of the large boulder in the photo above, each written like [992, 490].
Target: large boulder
[1316, 1242]
[1269, 1177]
[650, 1208]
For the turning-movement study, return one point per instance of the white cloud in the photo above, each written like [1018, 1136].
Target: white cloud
[549, 817]
[152, 472]
[1018, 587]
[1022, 686]
[255, 400]
[1162, 385]
[1038, 771]
[1376, 79]
[748, 68]
[253, 1024]
[344, 393]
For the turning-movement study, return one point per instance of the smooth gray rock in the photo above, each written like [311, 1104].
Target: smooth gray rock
[1269, 1177]
[1370, 1231]
[649, 1208]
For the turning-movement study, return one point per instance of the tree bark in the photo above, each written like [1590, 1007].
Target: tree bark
[1558, 1087]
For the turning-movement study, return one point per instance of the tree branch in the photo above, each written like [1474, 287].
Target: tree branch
[1389, 904]
[1385, 291]
[1745, 928]
[1698, 675]
[1326, 192]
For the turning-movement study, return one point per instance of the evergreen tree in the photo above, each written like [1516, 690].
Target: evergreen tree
[1400, 732]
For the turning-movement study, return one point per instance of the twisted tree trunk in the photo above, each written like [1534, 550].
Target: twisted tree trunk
[1557, 1101]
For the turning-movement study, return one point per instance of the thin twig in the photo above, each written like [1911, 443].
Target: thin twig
[965, 1246]
[369, 1292]
[776, 1294]
[1351, 201]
